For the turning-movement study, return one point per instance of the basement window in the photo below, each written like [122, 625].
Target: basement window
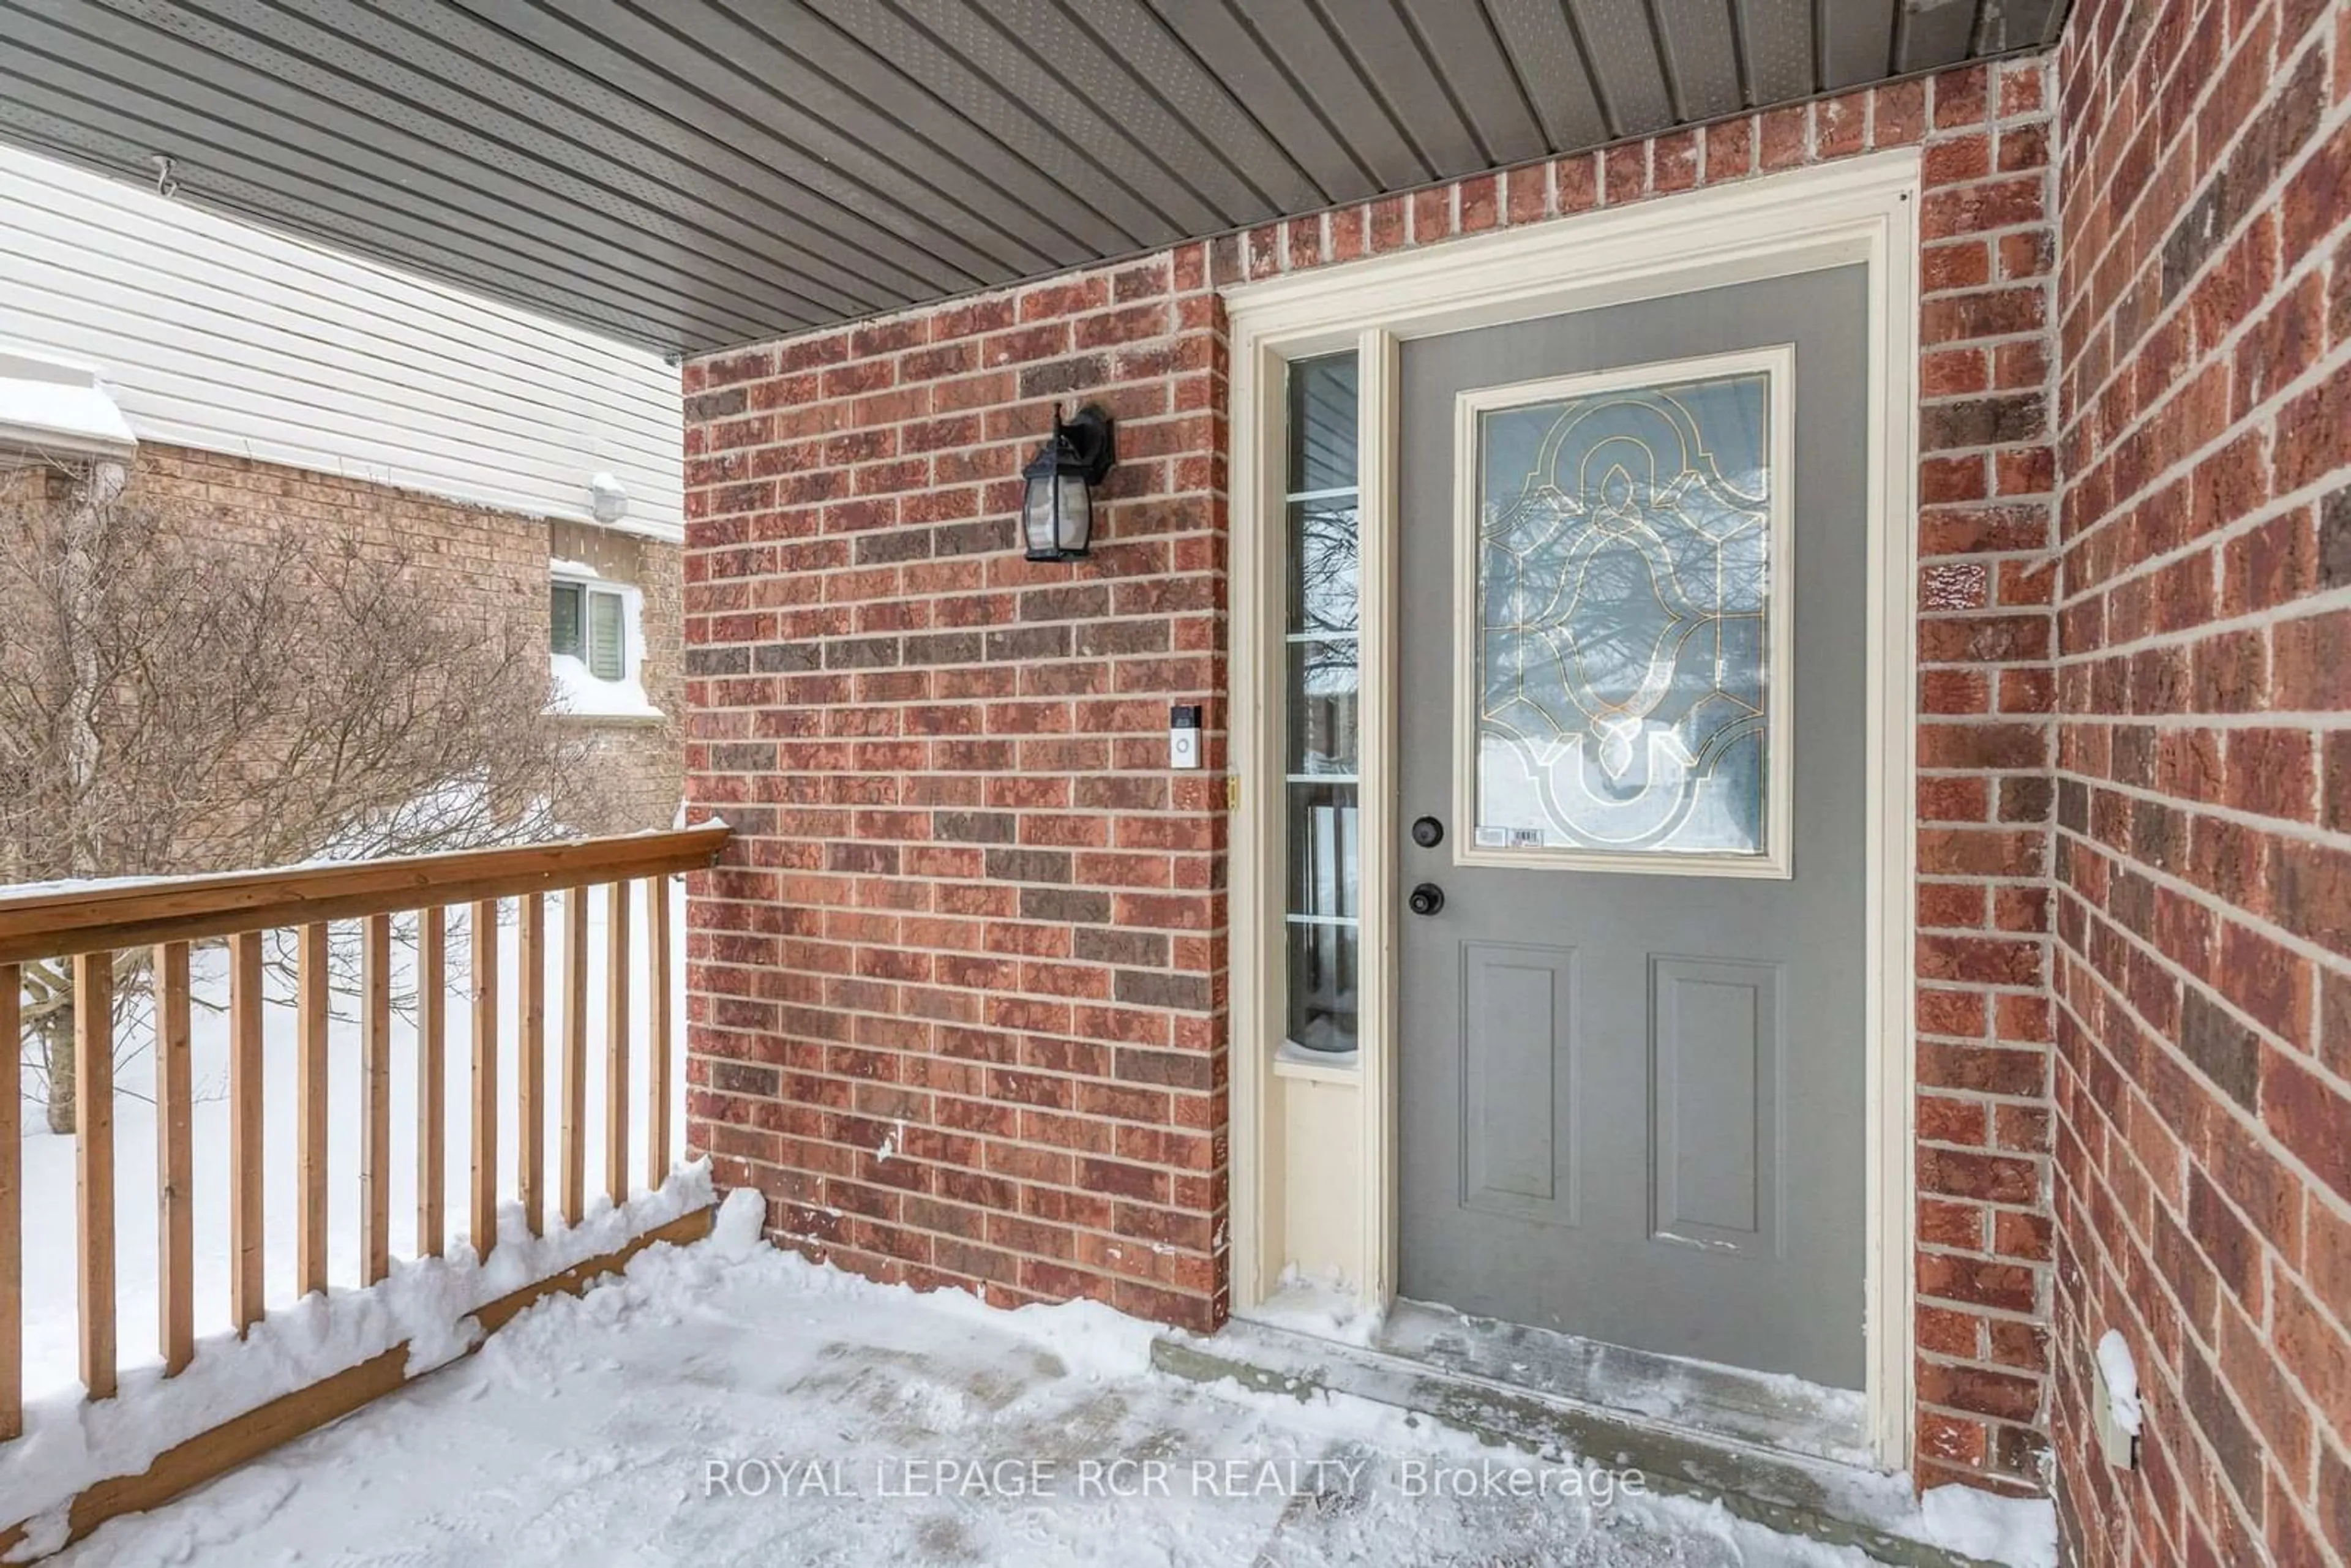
[589, 624]
[1321, 772]
[596, 646]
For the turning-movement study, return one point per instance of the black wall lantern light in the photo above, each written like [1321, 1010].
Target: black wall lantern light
[1057, 512]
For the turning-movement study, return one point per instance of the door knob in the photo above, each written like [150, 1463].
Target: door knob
[1428, 833]
[1426, 899]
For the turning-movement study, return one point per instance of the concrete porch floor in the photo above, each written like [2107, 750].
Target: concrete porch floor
[728, 1404]
[1509, 1392]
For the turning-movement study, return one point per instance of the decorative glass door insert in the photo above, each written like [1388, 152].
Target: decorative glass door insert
[1623, 667]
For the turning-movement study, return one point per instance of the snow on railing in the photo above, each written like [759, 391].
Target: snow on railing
[171, 926]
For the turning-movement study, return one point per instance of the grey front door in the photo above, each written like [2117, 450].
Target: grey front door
[1632, 678]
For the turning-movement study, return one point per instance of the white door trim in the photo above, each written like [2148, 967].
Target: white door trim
[1862, 210]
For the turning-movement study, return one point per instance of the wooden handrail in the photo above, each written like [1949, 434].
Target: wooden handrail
[62, 923]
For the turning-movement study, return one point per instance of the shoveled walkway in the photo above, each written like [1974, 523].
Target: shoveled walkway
[727, 1404]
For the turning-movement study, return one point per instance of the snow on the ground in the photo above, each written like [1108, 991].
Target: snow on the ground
[582, 694]
[1327, 1307]
[729, 1403]
[52, 1355]
[2020, 1531]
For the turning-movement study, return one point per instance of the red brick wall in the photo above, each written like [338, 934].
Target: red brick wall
[957, 997]
[2204, 840]
[1987, 481]
[971, 920]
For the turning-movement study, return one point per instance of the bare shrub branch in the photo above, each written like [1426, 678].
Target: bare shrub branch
[177, 697]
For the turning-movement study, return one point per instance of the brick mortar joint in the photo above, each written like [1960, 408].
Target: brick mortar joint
[2284, 830]
[2122, 226]
[1109, 1157]
[1109, 267]
[1072, 1227]
[2220, 248]
[1008, 1250]
[2250, 1121]
[2303, 1061]
[2325, 371]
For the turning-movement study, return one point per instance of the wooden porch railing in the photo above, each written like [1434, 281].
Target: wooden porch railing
[91, 925]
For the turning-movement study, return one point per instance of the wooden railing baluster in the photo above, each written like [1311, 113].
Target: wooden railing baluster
[658, 1070]
[432, 1079]
[164, 920]
[12, 1205]
[244, 1167]
[375, 1099]
[616, 1044]
[486, 1077]
[94, 1165]
[175, 1242]
[530, 1091]
[575, 1054]
[310, 1125]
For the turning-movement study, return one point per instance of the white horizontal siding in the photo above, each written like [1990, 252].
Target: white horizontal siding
[225, 338]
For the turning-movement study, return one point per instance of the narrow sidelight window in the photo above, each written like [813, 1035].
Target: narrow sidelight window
[1321, 770]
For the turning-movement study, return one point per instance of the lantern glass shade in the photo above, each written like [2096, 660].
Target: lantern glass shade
[1058, 513]
[1057, 503]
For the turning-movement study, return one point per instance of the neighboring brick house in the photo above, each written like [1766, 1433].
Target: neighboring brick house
[258, 383]
[964, 996]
